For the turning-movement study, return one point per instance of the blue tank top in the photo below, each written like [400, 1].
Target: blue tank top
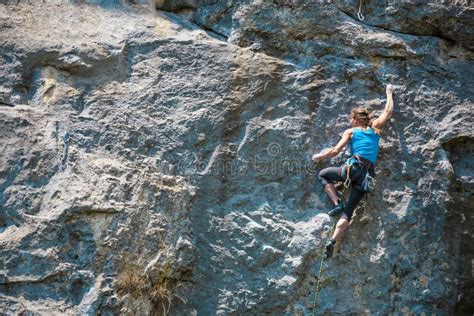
[365, 144]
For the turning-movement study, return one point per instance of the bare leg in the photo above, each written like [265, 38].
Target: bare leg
[341, 228]
[331, 191]
[338, 233]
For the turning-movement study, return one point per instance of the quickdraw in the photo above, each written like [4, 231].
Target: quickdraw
[347, 183]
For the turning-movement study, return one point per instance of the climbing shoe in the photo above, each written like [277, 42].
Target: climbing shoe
[329, 249]
[337, 210]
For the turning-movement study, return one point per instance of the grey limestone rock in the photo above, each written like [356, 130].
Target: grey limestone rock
[157, 162]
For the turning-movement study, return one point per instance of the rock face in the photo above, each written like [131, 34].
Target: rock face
[158, 162]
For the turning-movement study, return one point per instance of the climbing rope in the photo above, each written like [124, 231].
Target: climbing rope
[342, 195]
[359, 14]
[317, 288]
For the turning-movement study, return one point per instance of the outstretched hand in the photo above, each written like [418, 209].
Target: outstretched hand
[389, 89]
[317, 157]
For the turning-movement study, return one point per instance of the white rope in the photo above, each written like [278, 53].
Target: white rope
[359, 14]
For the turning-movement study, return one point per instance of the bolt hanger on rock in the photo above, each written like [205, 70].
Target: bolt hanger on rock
[359, 14]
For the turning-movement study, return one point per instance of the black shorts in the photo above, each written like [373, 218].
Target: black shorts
[338, 174]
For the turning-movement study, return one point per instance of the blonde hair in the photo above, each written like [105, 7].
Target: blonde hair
[362, 115]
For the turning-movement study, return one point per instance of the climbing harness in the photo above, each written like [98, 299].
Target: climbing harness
[367, 183]
[359, 14]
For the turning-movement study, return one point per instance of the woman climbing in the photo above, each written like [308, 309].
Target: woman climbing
[364, 140]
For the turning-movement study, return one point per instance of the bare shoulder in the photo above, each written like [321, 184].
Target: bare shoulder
[348, 132]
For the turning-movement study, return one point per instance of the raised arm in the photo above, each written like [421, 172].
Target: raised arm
[334, 151]
[387, 113]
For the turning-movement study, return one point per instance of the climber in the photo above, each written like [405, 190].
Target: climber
[364, 142]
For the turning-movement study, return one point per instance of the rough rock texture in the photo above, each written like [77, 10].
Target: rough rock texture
[159, 162]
